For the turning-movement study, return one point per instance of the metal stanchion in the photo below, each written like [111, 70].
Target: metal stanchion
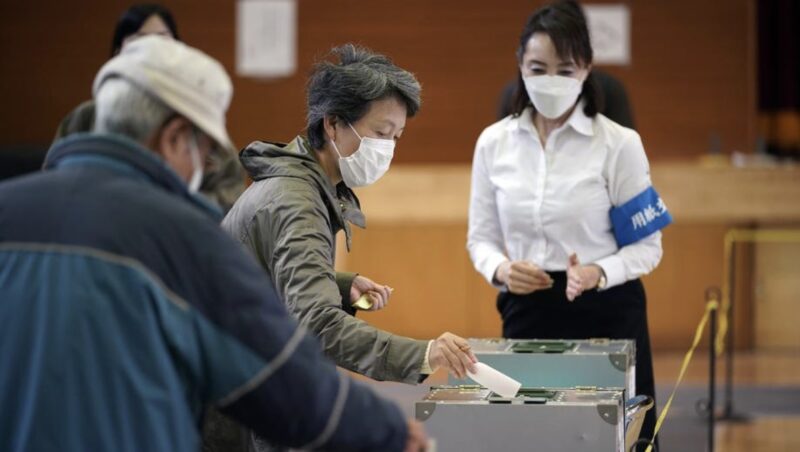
[711, 307]
[728, 413]
[712, 368]
[707, 407]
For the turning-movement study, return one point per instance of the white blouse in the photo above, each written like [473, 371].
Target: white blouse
[541, 204]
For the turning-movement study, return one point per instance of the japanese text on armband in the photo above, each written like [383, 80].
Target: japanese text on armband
[643, 215]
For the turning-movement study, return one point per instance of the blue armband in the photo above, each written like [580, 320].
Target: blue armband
[643, 215]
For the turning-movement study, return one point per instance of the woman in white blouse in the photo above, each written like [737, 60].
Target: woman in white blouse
[563, 218]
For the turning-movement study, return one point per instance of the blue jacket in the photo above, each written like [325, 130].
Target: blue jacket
[125, 311]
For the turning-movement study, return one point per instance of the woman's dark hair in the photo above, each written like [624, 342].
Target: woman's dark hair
[565, 23]
[132, 20]
[345, 89]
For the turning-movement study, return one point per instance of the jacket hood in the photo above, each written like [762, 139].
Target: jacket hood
[141, 162]
[264, 160]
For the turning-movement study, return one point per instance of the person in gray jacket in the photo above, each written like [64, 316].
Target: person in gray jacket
[301, 197]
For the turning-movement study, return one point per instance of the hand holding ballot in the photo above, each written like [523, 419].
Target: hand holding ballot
[367, 295]
[452, 352]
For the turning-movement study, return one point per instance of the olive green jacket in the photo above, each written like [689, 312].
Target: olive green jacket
[223, 179]
[289, 218]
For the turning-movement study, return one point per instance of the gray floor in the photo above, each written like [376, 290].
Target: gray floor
[684, 430]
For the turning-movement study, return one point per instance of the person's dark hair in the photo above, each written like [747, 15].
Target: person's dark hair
[345, 89]
[565, 23]
[134, 17]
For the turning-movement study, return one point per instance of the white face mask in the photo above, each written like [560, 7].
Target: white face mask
[368, 163]
[552, 95]
[197, 164]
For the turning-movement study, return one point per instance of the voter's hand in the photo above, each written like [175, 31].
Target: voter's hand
[454, 353]
[377, 294]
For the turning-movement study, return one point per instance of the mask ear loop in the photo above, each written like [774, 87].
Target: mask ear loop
[354, 131]
[336, 148]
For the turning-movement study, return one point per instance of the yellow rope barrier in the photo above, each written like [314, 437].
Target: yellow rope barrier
[711, 305]
[731, 237]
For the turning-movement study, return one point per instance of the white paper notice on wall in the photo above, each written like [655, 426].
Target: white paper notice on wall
[266, 38]
[610, 30]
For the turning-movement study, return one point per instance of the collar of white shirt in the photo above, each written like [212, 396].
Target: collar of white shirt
[577, 120]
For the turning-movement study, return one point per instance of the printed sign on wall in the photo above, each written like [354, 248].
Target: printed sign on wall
[610, 30]
[266, 38]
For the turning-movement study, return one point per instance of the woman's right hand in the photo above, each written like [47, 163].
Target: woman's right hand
[522, 277]
[453, 353]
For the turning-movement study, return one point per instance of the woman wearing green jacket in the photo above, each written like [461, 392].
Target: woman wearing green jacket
[301, 197]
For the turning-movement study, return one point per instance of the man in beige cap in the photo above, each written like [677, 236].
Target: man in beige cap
[126, 311]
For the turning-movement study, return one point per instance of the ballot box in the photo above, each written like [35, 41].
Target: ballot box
[472, 418]
[536, 363]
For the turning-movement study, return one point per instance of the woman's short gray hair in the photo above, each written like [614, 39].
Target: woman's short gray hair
[345, 89]
[123, 108]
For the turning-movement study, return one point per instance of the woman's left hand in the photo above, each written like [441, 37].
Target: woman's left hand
[580, 277]
[378, 294]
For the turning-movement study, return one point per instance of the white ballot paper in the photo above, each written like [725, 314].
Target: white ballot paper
[495, 380]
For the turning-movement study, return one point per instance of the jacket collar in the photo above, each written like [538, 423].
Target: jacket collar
[340, 195]
[264, 160]
[341, 199]
[135, 160]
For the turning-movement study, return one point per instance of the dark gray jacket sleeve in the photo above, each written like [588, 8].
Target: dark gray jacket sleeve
[291, 235]
[344, 280]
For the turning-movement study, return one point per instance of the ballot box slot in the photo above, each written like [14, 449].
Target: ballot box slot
[542, 346]
[536, 393]
[526, 396]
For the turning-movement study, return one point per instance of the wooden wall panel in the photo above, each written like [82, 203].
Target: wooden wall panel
[777, 295]
[692, 263]
[436, 288]
[690, 78]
